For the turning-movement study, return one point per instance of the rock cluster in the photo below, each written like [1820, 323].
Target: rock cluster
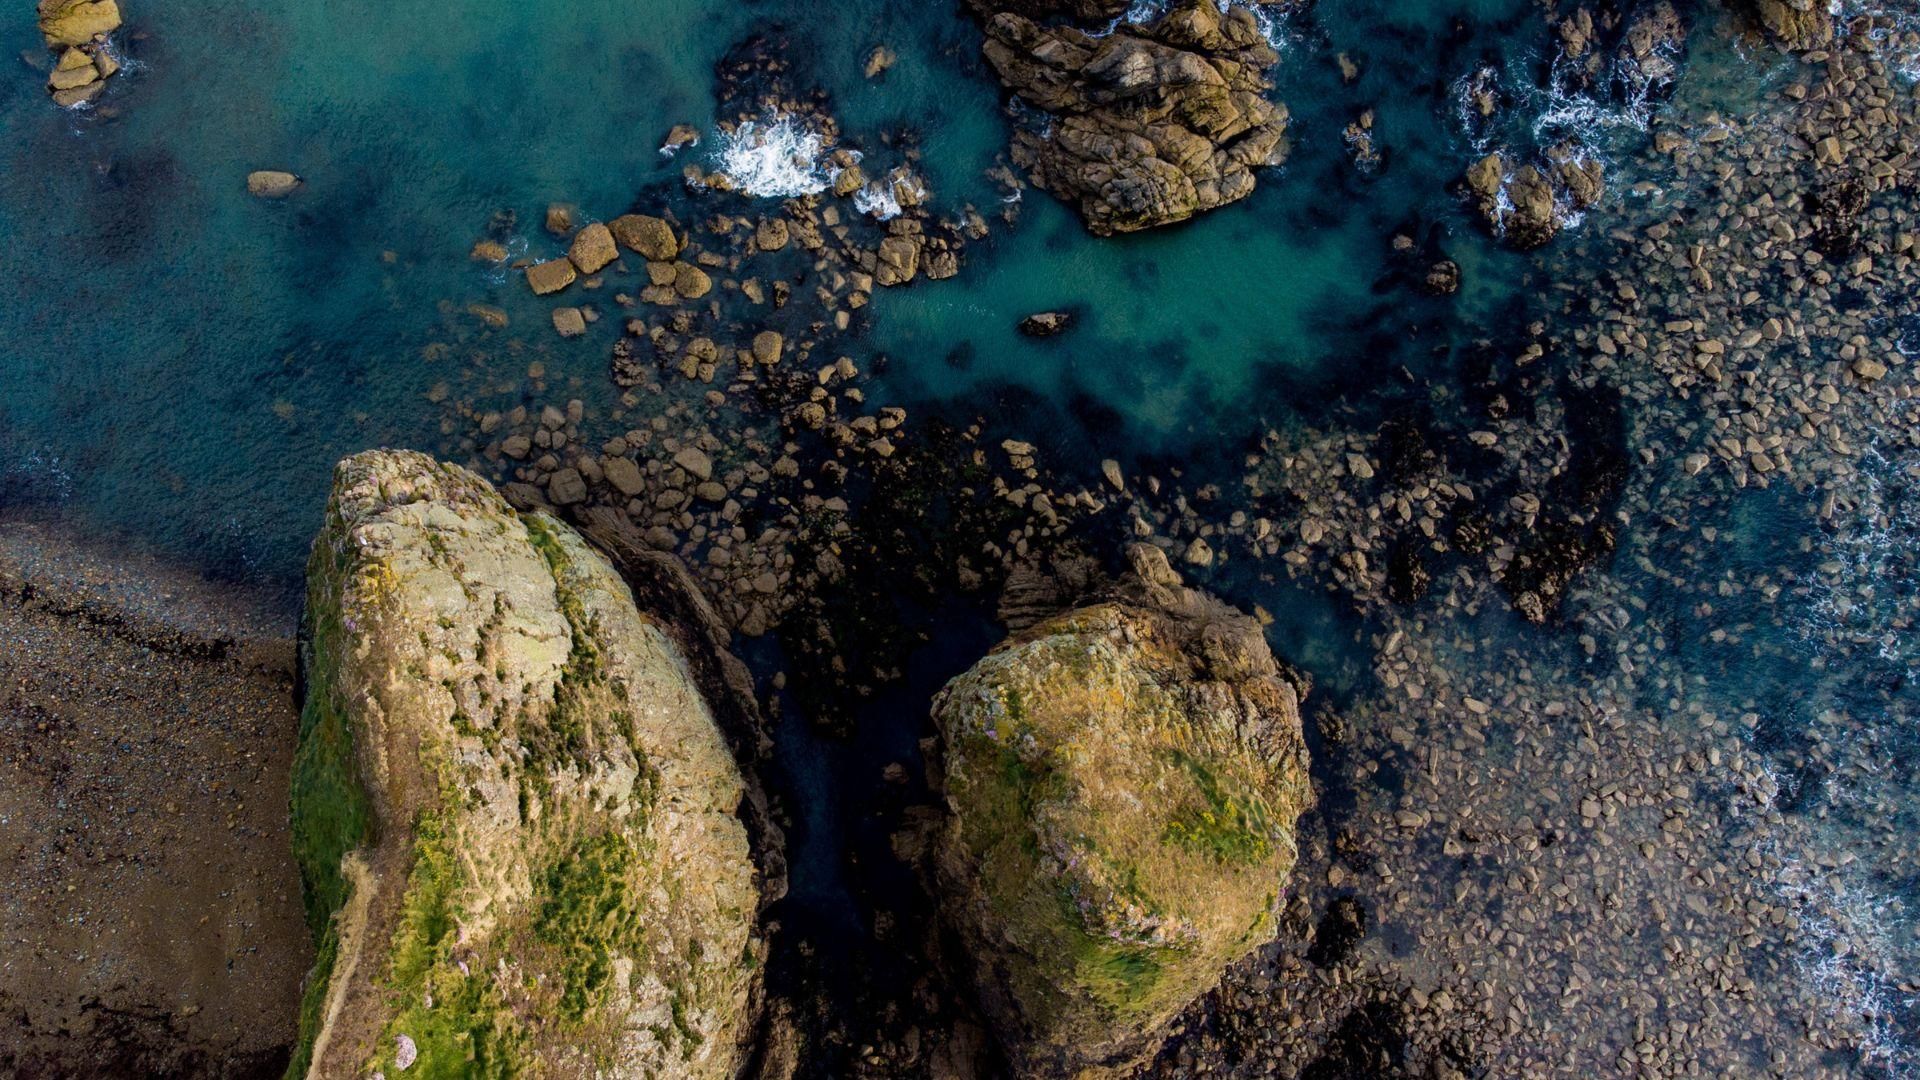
[1148, 124]
[76, 30]
[516, 816]
[1529, 205]
[1122, 783]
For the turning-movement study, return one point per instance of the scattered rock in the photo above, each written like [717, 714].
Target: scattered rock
[650, 237]
[592, 248]
[550, 276]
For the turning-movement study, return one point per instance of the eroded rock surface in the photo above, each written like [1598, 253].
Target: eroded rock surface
[1795, 25]
[513, 808]
[1122, 782]
[1149, 124]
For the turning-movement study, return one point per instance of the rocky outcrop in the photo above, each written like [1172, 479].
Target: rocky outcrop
[514, 810]
[1122, 783]
[76, 31]
[1528, 206]
[1148, 124]
[1794, 25]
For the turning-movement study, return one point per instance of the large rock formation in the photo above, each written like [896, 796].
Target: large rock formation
[76, 31]
[1122, 784]
[1528, 206]
[1795, 25]
[513, 808]
[1149, 124]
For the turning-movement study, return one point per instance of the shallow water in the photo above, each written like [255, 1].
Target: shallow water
[183, 363]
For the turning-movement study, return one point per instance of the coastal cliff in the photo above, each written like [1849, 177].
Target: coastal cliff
[1122, 783]
[513, 809]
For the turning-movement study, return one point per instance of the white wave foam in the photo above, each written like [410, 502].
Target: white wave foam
[887, 197]
[773, 159]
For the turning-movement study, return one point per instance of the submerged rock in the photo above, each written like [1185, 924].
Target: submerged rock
[1122, 784]
[1150, 124]
[1045, 323]
[513, 808]
[272, 184]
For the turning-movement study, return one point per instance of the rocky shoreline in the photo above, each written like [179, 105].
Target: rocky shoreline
[146, 714]
[1515, 855]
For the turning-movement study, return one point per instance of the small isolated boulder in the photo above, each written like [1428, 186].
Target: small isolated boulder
[272, 183]
[1122, 783]
[569, 321]
[650, 237]
[767, 347]
[592, 248]
[1045, 324]
[550, 276]
[513, 808]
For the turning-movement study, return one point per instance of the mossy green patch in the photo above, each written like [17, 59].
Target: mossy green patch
[588, 912]
[329, 809]
[1234, 827]
[453, 1015]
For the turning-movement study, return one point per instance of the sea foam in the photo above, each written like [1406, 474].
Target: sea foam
[779, 158]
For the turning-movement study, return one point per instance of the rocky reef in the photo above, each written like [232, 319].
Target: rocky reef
[1122, 783]
[1527, 206]
[1148, 124]
[514, 811]
[76, 31]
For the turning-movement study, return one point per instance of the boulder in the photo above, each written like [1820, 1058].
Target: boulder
[650, 237]
[1152, 123]
[767, 347]
[550, 276]
[592, 248]
[1122, 783]
[1794, 25]
[897, 261]
[690, 282]
[569, 321]
[1045, 324]
[272, 183]
[513, 809]
[76, 22]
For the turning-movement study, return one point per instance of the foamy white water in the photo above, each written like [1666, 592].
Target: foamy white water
[773, 159]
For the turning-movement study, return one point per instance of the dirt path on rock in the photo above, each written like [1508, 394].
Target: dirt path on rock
[150, 921]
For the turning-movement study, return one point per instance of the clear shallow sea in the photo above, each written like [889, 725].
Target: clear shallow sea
[183, 363]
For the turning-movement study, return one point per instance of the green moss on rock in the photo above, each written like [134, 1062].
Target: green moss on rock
[514, 813]
[1123, 782]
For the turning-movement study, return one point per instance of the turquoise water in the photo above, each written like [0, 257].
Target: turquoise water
[183, 363]
[186, 362]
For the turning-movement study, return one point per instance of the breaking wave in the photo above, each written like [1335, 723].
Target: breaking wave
[773, 159]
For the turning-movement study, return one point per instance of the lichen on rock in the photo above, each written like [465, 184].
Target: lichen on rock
[514, 813]
[1122, 783]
